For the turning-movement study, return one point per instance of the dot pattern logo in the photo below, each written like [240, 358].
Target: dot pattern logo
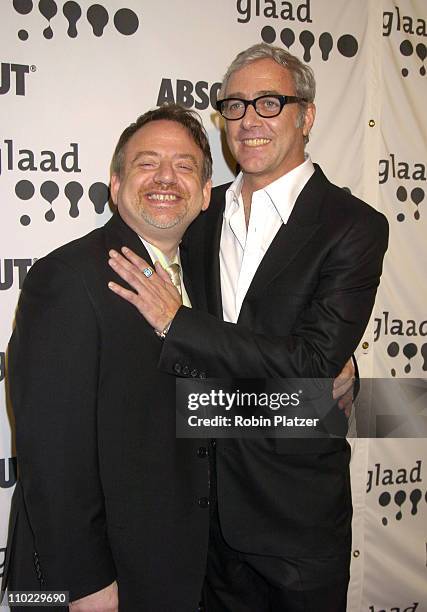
[407, 50]
[414, 197]
[98, 194]
[346, 44]
[401, 503]
[408, 351]
[124, 20]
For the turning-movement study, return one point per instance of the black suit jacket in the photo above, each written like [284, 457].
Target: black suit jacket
[105, 490]
[303, 316]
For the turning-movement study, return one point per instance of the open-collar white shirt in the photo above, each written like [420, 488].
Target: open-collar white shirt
[241, 248]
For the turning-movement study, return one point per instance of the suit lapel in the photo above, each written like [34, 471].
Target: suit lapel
[118, 235]
[212, 245]
[302, 225]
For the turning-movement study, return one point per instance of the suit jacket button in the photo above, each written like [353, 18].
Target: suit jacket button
[177, 368]
[185, 370]
[203, 502]
[194, 373]
[202, 452]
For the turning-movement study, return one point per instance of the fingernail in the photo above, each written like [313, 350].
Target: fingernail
[112, 253]
[125, 250]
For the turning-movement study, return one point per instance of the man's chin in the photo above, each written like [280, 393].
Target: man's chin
[163, 221]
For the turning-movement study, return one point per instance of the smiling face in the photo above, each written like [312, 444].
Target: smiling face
[160, 189]
[266, 148]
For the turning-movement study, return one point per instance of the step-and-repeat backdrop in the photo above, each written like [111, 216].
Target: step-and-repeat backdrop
[75, 73]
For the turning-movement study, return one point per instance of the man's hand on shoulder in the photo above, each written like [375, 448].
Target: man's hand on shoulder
[344, 387]
[105, 600]
[154, 295]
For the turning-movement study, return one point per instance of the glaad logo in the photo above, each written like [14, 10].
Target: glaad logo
[13, 78]
[10, 271]
[16, 159]
[394, 20]
[347, 44]
[2, 560]
[7, 472]
[125, 21]
[404, 171]
[198, 95]
[386, 326]
[406, 503]
[411, 608]
[47, 160]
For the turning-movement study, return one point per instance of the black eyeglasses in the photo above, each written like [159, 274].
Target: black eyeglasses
[265, 106]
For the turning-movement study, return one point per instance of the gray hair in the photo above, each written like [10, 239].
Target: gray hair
[302, 75]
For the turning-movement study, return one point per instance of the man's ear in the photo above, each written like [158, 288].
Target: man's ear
[114, 187]
[309, 117]
[207, 194]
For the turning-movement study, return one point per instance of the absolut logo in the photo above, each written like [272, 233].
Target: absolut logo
[12, 273]
[191, 95]
[8, 472]
[13, 78]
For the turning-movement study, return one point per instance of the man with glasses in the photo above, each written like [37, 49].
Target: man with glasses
[291, 265]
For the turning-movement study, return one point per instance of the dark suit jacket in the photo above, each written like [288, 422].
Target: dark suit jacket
[106, 491]
[303, 316]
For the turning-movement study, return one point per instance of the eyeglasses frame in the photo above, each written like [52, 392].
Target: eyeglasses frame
[283, 99]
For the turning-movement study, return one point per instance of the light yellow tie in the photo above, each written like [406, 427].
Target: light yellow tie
[174, 271]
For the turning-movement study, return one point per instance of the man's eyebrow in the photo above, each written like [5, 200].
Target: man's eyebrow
[148, 153]
[187, 156]
[141, 153]
[257, 94]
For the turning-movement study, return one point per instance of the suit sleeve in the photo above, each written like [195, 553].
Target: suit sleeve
[324, 336]
[53, 364]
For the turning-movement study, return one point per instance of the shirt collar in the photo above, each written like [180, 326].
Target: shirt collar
[283, 192]
[157, 255]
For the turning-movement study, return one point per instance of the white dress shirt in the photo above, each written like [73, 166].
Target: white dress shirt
[241, 248]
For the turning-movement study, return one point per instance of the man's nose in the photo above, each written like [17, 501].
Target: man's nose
[251, 118]
[165, 173]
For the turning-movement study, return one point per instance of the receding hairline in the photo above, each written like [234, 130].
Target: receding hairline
[118, 160]
[153, 122]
